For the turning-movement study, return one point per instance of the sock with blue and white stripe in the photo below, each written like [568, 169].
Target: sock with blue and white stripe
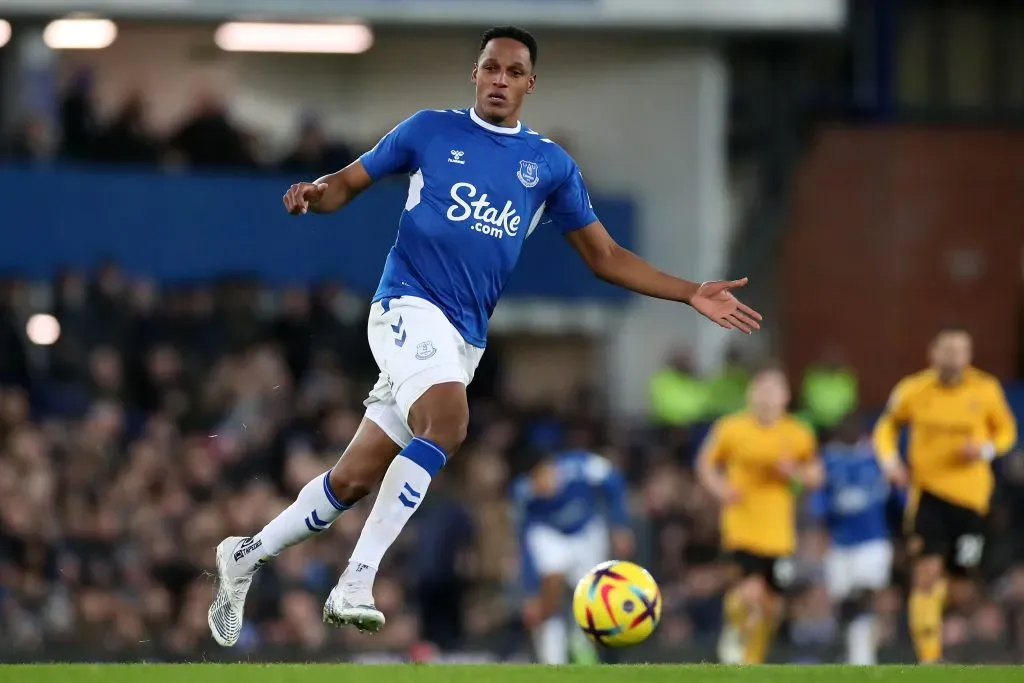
[313, 511]
[400, 494]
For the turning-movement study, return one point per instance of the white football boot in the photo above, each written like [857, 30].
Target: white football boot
[730, 646]
[351, 604]
[225, 615]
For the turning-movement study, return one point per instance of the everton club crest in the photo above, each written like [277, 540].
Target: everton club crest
[527, 174]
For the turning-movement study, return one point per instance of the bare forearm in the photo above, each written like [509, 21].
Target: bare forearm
[337, 194]
[711, 479]
[619, 266]
[342, 187]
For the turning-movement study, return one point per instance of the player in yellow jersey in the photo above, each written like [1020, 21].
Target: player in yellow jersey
[958, 421]
[756, 463]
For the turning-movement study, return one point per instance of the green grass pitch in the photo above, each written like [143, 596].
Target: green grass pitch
[473, 673]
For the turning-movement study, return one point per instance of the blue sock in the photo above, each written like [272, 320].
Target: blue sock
[401, 492]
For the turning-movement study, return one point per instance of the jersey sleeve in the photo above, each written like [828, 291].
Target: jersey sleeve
[397, 151]
[568, 205]
[601, 474]
[887, 430]
[1001, 422]
[808, 448]
[713, 448]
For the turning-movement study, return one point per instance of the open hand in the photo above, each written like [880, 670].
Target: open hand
[727, 495]
[787, 469]
[896, 473]
[975, 451]
[299, 196]
[715, 301]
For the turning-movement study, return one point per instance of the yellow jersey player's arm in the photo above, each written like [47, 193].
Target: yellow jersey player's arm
[709, 464]
[812, 470]
[1002, 424]
[886, 436]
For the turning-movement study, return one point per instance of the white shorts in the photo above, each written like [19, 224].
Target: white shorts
[415, 348]
[866, 566]
[570, 555]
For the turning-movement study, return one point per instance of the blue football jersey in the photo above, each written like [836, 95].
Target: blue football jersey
[588, 488]
[853, 502]
[476, 192]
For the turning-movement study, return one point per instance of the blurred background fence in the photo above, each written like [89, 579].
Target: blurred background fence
[177, 357]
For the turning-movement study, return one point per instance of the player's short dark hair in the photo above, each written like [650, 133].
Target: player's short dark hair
[530, 457]
[515, 33]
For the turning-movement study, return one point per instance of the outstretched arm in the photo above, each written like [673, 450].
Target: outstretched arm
[328, 193]
[613, 263]
[395, 153]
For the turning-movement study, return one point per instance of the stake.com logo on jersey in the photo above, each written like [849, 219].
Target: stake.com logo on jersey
[489, 220]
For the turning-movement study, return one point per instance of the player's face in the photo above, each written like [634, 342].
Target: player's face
[503, 76]
[544, 479]
[769, 393]
[951, 353]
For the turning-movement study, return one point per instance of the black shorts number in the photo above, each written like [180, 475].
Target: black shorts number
[969, 549]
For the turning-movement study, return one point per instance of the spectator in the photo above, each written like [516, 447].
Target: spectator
[13, 357]
[31, 142]
[441, 561]
[209, 139]
[78, 120]
[829, 391]
[679, 398]
[313, 154]
[728, 389]
[127, 140]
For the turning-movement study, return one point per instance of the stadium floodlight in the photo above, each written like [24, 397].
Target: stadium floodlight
[5, 32]
[245, 36]
[79, 34]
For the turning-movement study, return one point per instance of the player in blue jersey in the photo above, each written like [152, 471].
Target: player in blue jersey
[480, 181]
[568, 507]
[853, 508]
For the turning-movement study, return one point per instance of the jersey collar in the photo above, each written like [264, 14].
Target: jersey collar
[493, 128]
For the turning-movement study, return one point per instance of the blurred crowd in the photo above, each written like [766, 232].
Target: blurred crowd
[209, 138]
[163, 420]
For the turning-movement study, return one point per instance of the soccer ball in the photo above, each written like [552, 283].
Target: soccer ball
[617, 604]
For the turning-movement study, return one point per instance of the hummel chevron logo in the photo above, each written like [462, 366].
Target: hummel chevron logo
[416, 495]
[317, 525]
[396, 328]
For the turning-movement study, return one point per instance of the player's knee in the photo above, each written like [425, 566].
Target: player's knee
[927, 573]
[551, 594]
[350, 482]
[754, 591]
[442, 416]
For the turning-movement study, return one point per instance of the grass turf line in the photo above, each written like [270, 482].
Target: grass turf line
[304, 673]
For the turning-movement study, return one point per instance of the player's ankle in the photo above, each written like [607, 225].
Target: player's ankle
[359, 572]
